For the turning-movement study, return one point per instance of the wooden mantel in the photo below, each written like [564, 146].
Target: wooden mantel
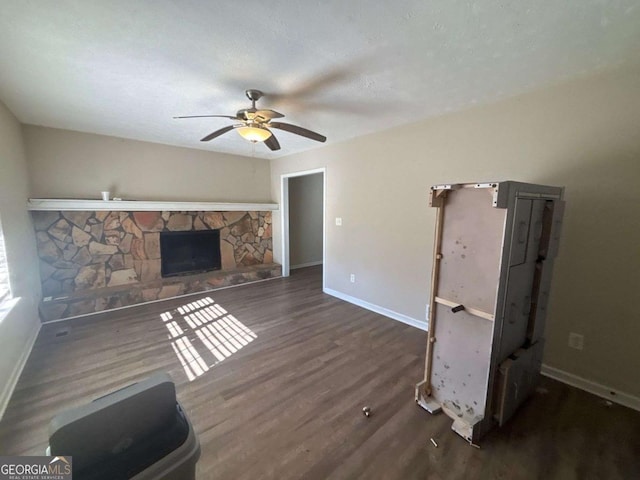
[56, 204]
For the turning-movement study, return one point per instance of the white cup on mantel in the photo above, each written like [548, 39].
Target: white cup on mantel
[105, 196]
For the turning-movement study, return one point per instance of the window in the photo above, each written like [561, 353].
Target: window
[5, 292]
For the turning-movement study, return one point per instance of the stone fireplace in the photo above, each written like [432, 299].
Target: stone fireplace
[92, 261]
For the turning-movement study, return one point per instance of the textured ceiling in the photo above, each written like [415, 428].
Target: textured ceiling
[341, 68]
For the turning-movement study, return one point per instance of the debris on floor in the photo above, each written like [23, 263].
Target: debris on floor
[366, 411]
[434, 442]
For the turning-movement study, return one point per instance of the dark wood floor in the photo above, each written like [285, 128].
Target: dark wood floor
[288, 404]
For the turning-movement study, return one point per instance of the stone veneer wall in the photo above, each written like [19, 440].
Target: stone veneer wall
[93, 261]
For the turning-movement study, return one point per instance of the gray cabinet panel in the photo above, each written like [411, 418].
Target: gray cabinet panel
[517, 309]
[536, 329]
[517, 378]
[520, 231]
[535, 230]
[556, 229]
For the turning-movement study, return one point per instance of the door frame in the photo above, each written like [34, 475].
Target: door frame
[284, 217]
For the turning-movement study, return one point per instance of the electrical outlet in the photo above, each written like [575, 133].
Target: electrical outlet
[576, 341]
[338, 221]
[352, 278]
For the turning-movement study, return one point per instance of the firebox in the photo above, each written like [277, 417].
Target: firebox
[184, 253]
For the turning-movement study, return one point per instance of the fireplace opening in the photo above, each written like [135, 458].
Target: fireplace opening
[184, 253]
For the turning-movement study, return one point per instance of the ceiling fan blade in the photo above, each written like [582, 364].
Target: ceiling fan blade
[322, 80]
[272, 142]
[217, 133]
[298, 131]
[208, 116]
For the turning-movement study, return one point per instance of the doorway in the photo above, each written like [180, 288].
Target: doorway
[303, 205]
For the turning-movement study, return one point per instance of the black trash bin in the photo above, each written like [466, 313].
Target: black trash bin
[139, 432]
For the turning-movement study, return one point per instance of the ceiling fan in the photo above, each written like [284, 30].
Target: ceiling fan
[255, 125]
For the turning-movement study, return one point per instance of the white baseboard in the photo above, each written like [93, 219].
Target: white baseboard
[10, 386]
[598, 389]
[308, 264]
[377, 309]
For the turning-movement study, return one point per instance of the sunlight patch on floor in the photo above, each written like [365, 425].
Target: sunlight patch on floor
[206, 325]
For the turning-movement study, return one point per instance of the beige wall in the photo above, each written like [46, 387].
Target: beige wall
[19, 324]
[305, 219]
[67, 164]
[584, 135]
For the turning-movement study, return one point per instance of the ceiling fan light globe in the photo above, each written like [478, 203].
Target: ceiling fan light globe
[254, 134]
